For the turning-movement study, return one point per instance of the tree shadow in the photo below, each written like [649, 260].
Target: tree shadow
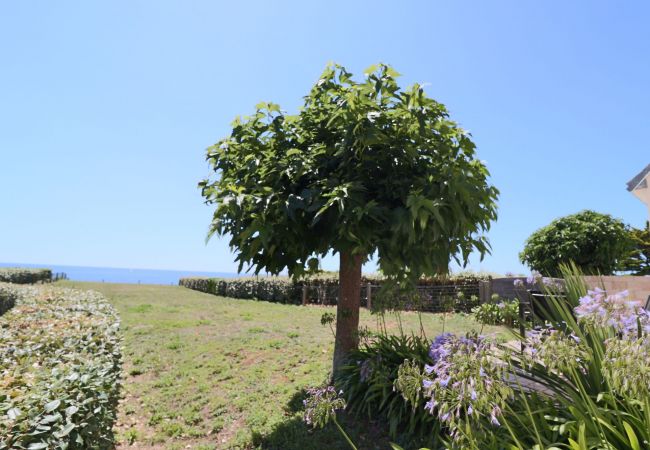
[295, 434]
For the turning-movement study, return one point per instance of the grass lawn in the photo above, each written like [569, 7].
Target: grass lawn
[206, 372]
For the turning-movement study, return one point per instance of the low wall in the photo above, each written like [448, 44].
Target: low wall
[638, 287]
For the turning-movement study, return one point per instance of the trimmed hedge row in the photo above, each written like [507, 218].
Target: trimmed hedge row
[271, 289]
[7, 300]
[59, 371]
[286, 290]
[18, 275]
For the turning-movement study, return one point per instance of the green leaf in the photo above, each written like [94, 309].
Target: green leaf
[65, 430]
[51, 406]
[574, 445]
[631, 435]
[14, 413]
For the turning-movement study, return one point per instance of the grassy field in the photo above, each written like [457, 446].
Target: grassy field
[206, 372]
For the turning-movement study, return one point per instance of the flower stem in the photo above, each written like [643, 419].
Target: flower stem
[345, 435]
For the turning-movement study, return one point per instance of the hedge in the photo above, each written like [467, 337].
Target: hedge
[24, 276]
[287, 290]
[59, 371]
[7, 300]
[272, 289]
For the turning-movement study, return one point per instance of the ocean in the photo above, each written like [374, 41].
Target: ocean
[122, 275]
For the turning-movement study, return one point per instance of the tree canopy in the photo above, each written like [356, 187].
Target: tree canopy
[597, 243]
[638, 261]
[364, 168]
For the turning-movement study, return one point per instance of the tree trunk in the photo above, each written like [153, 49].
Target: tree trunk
[347, 308]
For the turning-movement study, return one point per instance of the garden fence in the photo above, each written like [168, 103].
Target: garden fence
[441, 298]
[431, 295]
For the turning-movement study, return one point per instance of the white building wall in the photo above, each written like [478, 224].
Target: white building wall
[643, 194]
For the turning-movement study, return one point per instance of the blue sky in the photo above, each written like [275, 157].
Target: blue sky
[106, 109]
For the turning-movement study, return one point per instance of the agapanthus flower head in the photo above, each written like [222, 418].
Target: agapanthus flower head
[518, 282]
[321, 404]
[625, 366]
[437, 349]
[555, 350]
[624, 315]
[533, 278]
[551, 283]
[464, 381]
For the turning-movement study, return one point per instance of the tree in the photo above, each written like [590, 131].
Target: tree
[638, 262]
[596, 243]
[363, 169]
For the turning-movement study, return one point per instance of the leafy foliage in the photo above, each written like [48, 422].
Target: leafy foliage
[363, 168]
[582, 403]
[638, 262]
[7, 300]
[270, 289]
[24, 276]
[580, 383]
[60, 370]
[596, 243]
[367, 382]
[497, 312]
[287, 290]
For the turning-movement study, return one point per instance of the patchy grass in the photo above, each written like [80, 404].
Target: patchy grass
[207, 372]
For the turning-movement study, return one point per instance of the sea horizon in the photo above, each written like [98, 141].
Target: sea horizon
[122, 274]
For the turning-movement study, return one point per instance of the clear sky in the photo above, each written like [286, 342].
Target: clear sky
[106, 108]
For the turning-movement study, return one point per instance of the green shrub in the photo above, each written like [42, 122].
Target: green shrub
[59, 371]
[18, 275]
[271, 289]
[497, 312]
[638, 261]
[7, 300]
[367, 382]
[596, 243]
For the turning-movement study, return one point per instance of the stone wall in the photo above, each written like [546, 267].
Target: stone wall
[639, 287]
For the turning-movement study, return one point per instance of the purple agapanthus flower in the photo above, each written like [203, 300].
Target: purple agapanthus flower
[617, 311]
[533, 277]
[464, 381]
[437, 349]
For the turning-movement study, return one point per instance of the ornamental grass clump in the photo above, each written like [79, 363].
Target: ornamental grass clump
[368, 384]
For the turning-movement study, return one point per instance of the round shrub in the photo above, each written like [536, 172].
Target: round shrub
[595, 242]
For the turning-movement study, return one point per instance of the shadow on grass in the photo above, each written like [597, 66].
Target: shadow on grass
[294, 434]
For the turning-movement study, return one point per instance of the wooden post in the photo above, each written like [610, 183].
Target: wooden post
[484, 291]
[369, 296]
[304, 294]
